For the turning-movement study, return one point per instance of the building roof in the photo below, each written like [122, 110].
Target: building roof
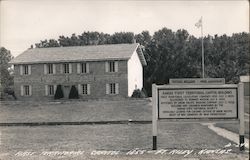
[79, 53]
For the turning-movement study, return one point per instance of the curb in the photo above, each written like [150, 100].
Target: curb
[74, 123]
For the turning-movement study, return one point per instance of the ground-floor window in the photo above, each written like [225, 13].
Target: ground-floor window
[51, 90]
[112, 88]
[84, 89]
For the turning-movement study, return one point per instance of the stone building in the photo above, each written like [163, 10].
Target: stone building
[99, 71]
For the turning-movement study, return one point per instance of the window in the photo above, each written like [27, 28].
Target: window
[26, 90]
[26, 69]
[66, 68]
[84, 89]
[83, 67]
[112, 88]
[51, 90]
[50, 68]
[111, 66]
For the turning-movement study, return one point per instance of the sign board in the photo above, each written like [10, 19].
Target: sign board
[197, 81]
[176, 103]
[195, 103]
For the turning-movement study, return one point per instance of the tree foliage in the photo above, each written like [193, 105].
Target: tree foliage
[6, 78]
[177, 54]
[59, 92]
[73, 94]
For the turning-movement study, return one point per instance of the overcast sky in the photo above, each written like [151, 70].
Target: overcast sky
[26, 22]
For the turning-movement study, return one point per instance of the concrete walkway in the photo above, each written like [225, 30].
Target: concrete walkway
[226, 134]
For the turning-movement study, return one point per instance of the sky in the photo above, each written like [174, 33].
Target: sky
[26, 22]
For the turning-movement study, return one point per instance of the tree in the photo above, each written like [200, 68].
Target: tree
[6, 78]
[59, 92]
[73, 94]
[122, 37]
[46, 43]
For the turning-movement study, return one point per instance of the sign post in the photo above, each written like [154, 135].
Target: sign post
[154, 116]
[241, 116]
[198, 103]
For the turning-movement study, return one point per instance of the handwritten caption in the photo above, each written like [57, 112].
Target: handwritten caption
[136, 151]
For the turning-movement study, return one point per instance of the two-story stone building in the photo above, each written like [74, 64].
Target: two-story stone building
[98, 71]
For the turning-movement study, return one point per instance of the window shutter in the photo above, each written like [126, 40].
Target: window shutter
[88, 89]
[117, 88]
[54, 68]
[70, 68]
[116, 66]
[107, 88]
[54, 89]
[78, 68]
[79, 89]
[87, 67]
[107, 66]
[21, 90]
[46, 90]
[45, 68]
[30, 89]
[61, 68]
[21, 69]
[29, 69]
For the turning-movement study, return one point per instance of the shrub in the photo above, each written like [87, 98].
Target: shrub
[59, 92]
[10, 91]
[73, 94]
[138, 94]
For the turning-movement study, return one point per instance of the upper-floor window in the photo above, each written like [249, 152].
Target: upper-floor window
[25, 69]
[111, 66]
[66, 68]
[49, 68]
[82, 67]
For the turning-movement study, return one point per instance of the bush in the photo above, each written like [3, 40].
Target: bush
[10, 91]
[59, 92]
[73, 94]
[138, 94]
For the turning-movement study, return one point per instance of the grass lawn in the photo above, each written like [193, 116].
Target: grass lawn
[235, 127]
[74, 111]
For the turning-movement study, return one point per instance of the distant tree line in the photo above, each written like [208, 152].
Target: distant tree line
[177, 54]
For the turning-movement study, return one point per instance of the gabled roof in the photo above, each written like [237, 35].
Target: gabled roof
[79, 53]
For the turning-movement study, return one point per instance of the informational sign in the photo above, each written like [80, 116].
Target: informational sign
[186, 100]
[198, 103]
[197, 81]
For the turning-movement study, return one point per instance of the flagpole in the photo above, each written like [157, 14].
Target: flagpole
[202, 50]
